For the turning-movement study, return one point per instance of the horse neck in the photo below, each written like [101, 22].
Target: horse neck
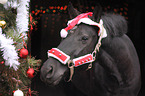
[105, 58]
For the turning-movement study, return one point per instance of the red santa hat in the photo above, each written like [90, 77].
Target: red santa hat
[83, 18]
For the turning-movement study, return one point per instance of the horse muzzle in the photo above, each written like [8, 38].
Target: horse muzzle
[52, 72]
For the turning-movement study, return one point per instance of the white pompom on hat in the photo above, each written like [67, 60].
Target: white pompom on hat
[63, 33]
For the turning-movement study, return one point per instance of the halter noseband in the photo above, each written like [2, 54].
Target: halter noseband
[88, 58]
[65, 59]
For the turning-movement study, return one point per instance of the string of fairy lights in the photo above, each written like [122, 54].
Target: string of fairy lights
[38, 11]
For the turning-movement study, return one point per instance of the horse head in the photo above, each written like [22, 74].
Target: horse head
[81, 40]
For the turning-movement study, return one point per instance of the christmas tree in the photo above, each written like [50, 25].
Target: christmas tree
[17, 67]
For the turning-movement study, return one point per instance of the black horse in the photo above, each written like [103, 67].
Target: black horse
[116, 69]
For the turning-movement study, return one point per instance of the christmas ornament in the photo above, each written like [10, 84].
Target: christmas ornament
[18, 93]
[3, 1]
[2, 23]
[30, 72]
[23, 53]
[2, 62]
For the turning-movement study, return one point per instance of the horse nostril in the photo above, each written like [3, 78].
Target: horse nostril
[49, 72]
[50, 69]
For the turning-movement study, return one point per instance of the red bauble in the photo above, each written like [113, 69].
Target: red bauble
[30, 72]
[23, 53]
[2, 62]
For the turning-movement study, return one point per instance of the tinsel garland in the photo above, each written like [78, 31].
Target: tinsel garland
[22, 19]
[9, 53]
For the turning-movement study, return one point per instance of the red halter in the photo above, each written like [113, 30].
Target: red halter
[64, 58]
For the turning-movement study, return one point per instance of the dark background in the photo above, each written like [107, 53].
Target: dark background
[51, 17]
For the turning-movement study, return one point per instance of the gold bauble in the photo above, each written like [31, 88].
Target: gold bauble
[2, 23]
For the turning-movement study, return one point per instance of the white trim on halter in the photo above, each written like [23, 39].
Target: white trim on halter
[59, 55]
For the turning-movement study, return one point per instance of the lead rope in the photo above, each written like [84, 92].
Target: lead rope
[71, 65]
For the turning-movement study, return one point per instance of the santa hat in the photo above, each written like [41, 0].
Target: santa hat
[83, 18]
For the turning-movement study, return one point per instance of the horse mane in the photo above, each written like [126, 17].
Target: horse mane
[115, 24]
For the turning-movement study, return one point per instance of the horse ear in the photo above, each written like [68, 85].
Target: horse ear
[72, 11]
[97, 12]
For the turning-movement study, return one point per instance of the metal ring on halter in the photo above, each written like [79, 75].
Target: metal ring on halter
[70, 64]
[94, 54]
[71, 67]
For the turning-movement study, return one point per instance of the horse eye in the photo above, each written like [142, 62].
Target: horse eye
[85, 38]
